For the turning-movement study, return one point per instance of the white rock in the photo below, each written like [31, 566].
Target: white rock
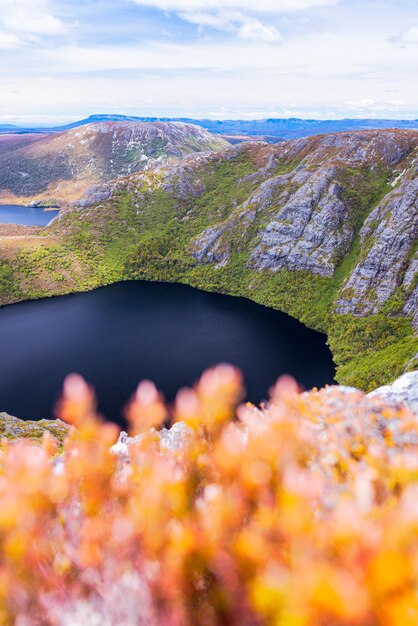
[175, 438]
[121, 447]
[403, 391]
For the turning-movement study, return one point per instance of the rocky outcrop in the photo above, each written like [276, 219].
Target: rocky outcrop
[310, 231]
[174, 439]
[209, 247]
[306, 218]
[303, 210]
[388, 236]
[404, 391]
[354, 408]
[411, 305]
[182, 182]
[14, 428]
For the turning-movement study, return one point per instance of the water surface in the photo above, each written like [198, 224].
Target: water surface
[28, 216]
[119, 335]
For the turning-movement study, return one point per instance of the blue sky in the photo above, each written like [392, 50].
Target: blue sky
[64, 59]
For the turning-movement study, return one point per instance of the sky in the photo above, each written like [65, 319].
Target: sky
[62, 60]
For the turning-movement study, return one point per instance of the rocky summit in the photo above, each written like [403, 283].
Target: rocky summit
[62, 166]
[324, 228]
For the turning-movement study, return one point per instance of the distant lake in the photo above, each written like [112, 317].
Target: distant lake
[121, 334]
[28, 216]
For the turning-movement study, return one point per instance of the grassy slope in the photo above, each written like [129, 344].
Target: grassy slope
[112, 243]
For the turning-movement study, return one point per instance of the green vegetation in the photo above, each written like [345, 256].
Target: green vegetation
[12, 428]
[27, 176]
[151, 239]
[6, 278]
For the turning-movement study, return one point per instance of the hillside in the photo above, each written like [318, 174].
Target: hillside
[61, 167]
[323, 228]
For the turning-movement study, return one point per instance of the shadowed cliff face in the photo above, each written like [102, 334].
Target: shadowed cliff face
[324, 228]
[63, 166]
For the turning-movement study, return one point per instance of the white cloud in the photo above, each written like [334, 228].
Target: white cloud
[339, 62]
[8, 41]
[410, 35]
[255, 30]
[271, 6]
[22, 21]
[235, 16]
[234, 22]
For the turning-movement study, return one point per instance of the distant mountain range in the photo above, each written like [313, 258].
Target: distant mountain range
[272, 129]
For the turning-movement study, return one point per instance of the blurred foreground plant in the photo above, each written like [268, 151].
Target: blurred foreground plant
[300, 513]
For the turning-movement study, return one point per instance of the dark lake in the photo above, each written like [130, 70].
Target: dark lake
[28, 216]
[119, 335]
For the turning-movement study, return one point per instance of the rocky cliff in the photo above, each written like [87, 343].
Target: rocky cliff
[324, 228]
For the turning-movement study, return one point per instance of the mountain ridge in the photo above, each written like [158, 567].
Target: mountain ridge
[282, 128]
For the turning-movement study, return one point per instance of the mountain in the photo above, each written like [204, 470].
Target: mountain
[8, 128]
[62, 166]
[271, 129]
[294, 128]
[324, 228]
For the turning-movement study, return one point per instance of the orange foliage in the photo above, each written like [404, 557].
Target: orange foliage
[301, 513]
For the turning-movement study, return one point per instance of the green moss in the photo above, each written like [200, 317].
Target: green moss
[12, 428]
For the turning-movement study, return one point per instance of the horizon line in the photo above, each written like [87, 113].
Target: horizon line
[25, 123]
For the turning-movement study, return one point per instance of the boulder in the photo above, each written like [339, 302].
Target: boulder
[403, 391]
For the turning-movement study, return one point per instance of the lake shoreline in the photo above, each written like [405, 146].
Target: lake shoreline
[167, 332]
[23, 215]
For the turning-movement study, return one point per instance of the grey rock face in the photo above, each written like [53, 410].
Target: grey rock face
[99, 193]
[403, 391]
[211, 247]
[388, 147]
[305, 219]
[390, 231]
[411, 305]
[208, 247]
[410, 285]
[309, 232]
[306, 227]
[183, 183]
